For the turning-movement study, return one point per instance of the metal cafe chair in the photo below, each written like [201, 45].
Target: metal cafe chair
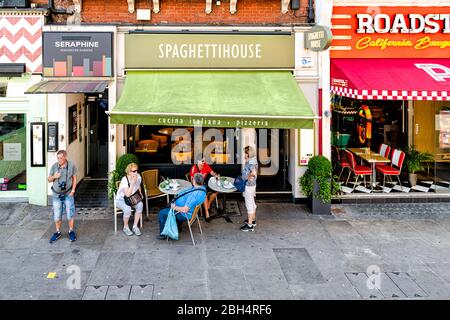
[188, 178]
[358, 170]
[341, 162]
[384, 150]
[191, 221]
[395, 168]
[150, 180]
[118, 211]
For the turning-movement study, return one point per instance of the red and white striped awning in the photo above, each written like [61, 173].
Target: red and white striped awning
[391, 79]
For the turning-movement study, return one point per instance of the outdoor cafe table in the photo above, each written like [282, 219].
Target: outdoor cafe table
[182, 185]
[212, 183]
[371, 157]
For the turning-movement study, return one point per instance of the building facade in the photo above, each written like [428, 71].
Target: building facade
[22, 158]
[83, 77]
[390, 86]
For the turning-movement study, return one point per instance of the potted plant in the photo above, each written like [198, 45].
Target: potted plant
[118, 173]
[414, 160]
[319, 184]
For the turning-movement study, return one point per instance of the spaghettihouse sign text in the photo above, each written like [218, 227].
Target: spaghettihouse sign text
[208, 51]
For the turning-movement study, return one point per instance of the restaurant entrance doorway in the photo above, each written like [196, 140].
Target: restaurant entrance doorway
[97, 136]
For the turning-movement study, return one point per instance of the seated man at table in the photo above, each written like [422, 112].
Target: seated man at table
[202, 167]
[184, 203]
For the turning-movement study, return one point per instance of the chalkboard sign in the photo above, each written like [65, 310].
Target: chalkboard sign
[73, 123]
[52, 142]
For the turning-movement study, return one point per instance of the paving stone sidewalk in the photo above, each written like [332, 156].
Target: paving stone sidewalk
[383, 251]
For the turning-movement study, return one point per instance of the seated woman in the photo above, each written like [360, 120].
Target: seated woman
[204, 169]
[129, 184]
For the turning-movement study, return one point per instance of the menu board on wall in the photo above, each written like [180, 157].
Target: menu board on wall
[37, 144]
[73, 123]
[52, 142]
[306, 146]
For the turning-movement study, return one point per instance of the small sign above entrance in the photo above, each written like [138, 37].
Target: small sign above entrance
[318, 38]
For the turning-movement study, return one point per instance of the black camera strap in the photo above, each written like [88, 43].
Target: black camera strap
[67, 170]
[182, 195]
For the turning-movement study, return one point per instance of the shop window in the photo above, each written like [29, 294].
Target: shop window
[442, 147]
[3, 89]
[219, 146]
[12, 152]
[154, 144]
[368, 123]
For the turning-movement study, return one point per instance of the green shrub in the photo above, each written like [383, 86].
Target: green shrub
[319, 168]
[119, 172]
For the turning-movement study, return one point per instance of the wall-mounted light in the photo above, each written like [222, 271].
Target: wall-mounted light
[208, 8]
[78, 5]
[130, 6]
[155, 6]
[285, 6]
[233, 4]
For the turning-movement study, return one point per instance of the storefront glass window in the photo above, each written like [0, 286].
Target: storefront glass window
[3, 88]
[368, 123]
[175, 145]
[12, 152]
[172, 151]
[442, 146]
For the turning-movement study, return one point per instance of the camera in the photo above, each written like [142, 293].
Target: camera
[62, 186]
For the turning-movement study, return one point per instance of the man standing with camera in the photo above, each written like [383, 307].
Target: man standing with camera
[63, 176]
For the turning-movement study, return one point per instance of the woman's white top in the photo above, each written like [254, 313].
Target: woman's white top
[123, 186]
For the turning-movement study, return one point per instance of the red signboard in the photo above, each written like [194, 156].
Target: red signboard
[391, 32]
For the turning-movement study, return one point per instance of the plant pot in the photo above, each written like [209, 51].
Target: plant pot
[316, 205]
[413, 179]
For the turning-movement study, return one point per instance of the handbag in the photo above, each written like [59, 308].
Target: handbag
[171, 228]
[135, 198]
[240, 183]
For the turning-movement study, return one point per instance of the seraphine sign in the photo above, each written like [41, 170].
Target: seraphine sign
[209, 51]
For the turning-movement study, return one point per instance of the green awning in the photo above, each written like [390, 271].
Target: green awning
[229, 99]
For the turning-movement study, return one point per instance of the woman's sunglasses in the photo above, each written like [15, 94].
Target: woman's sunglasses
[133, 170]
